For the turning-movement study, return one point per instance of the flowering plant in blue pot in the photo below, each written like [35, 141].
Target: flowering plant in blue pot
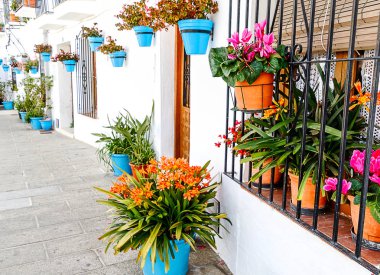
[44, 50]
[15, 65]
[94, 36]
[32, 66]
[192, 19]
[5, 67]
[68, 59]
[115, 52]
[144, 20]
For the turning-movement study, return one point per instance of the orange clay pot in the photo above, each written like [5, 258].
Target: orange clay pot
[13, 18]
[267, 175]
[371, 230]
[138, 168]
[308, 197]
[255, 96]
[30, 3]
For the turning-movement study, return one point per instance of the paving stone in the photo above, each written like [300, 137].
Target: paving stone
[109, 258]
[125, 268]
[98, 224]
[21, 222]
[34, 210]
[21, 255]
[12, 186]
[14, 203]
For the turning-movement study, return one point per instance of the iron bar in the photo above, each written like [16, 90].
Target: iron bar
[268, 15]
[247, 13]
[335, 60]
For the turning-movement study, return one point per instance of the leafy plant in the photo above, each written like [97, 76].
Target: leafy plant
[91, 32]
[20, 104]
[245, 60]
[142, 151]
[42, 48]
[14, 5]
[110, 47]
[14, 63]
[31, 63]
[6, 90]
[173, 201]
[171, 11]
[63, 56]
[139, 14]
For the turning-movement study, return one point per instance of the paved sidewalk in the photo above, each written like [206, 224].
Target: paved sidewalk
[49, 218]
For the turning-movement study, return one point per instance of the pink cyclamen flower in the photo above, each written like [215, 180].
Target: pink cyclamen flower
[375, 178]
[234, 40]
[246, 36]
[374, 167]
[259, 30]
[330, 184]
[268, 39]
[346, 185]
[231, 56]
[357, 161]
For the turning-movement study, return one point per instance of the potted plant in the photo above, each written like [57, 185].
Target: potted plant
[160, 214]
[94, 36]
[20, 106]
[5, 67]
[30, 3]
[15, 65]
[14, 7]
[142, 153]
[249, 67]
[115, 52]
[6, 94]
[192, 19]
[68, 59]
[353, 189]
[32, 66]
[44, 50]
[144, 20]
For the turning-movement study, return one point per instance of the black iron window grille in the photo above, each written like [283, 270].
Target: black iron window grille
[305, 22]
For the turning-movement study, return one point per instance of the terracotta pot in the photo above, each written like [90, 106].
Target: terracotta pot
[137, 168]
[256, 96]
[266, 177]
[13, 18]
[308, 197]
[30, 3]
[371, 230]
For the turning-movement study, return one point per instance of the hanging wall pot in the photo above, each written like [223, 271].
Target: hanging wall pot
[117, 58]
[195, 35]
[144, 35]
[46, 56]
[5, 67]
[17, 70]
[95, 42]
[33, 70]
[70, 65]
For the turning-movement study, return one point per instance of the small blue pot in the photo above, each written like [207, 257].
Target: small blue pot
[23, 116]
[33, 70]
[144, 35]
[178, 266]
[8, 105]
[117, 58]
[195, 35]
[1, 61]
[35, 122]
[17, 70]
[46, 56]
[46, 124]
[120, 164]
[95, 42]
[70, 65]
[6, 68]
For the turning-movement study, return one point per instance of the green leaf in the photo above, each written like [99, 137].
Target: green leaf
[375, 209]
[306, 176]
[356, 185]
[256, 68]
[216, 57]
[148, 244]
[357, 199]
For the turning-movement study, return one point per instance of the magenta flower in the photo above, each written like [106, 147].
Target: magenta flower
[268, 39]
[346, 185]
[375, 178]
[357, 161]
[246, 36]
[259, 30]
[231, 56]
[234, 40]
[330, 184]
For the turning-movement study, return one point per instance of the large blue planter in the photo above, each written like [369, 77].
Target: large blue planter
[35, 122]
[144, 35]
[178, 266]
[33, 70]
[70, 65]
[8, 105]
[195, 35]
[46, 56]
[1, 61]
[95, 42]
[6, 68]
[17, 70]
[120, 164]
[46, 124]
[117, 58]
[23, 116]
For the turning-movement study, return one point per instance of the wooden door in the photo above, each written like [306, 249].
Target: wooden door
[182, 100]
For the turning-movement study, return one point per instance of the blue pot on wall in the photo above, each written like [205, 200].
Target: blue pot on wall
[35, 122]
[23, 116]
[195, 35]
[70, 65]
[46, 56]
[120, 164]
[6, 68]
[17, 70]
[1, 61]
[178, 266]
[8, 105]
[117, 58]
[33, 70]
[95, 42]
[46, 124]
[144, 35]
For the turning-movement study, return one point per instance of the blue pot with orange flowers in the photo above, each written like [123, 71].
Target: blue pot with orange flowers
[8, 105]
[46, 56]
[5, 67]
[144, 35]
[195, 35]
[179, 265]
[33, 70]
[95, 42]
[117, 58]
[120, 164]
[70, 65]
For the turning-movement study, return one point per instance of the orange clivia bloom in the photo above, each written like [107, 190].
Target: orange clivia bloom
[192, 193]
[361, 99]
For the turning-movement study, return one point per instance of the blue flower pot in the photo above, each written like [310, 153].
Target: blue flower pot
[70, 65]
[6, 68]
[117, 58]
[120, 164]
[144, 35]
[33, 70]
[178, 266]
[195, 35]
[46, 56]
[1, 61]
[95, 42]
[46, 124]
[8, 105]
[17, 70]
[23, 116]
[35, 122]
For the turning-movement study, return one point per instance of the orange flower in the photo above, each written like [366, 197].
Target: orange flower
[362, 98]
[191, 194]
[123, 178]
[270, 112]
